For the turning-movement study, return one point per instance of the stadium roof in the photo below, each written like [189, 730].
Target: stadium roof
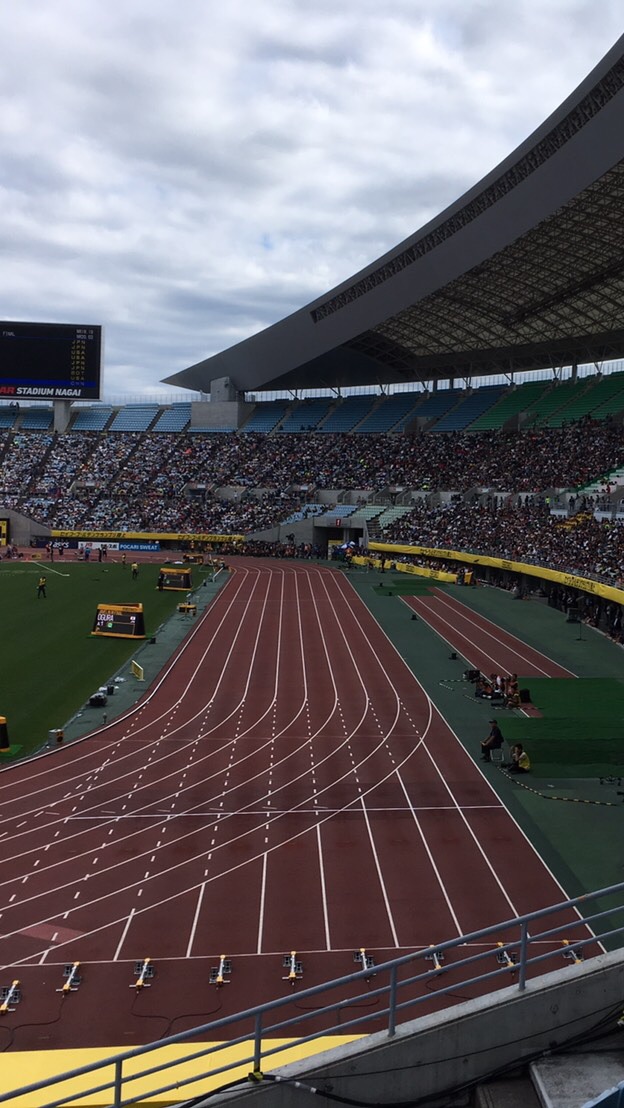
[525, 271]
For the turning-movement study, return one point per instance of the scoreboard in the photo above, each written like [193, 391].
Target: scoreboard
[50, 361]
[120, 621]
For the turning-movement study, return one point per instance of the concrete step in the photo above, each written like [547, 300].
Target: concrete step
[511, 1092]
[575, 1079]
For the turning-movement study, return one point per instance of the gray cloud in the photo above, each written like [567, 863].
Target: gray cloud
[189, 174]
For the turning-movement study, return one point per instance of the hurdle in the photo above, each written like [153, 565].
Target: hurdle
[143, 971]
[219, 975]
[294, 967]
[10, 995]
[73, 979]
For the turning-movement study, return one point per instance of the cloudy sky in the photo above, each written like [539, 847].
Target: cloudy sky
[188, 173]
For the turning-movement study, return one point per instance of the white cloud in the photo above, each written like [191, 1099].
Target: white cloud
[188, 173]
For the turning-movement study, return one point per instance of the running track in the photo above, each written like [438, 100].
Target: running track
[483, 644]
[286, 785]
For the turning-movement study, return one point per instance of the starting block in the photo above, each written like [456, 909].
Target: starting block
[143, 972]
[366, 961]
[435, 956]
[10, 995]
[571, 952]
[73, 978]
[188, 609]
[219, 974]
[506, 957]
[294, 967]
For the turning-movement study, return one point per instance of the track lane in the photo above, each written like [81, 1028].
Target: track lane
[356, 801]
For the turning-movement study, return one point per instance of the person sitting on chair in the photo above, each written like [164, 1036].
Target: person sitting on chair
[520, 761]
[494, 741]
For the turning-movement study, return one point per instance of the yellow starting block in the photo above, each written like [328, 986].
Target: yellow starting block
[188, 609]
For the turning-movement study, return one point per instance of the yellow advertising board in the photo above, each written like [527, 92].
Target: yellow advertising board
[570, 580]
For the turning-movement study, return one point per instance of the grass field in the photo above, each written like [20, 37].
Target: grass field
[580, 731]
[51, 663]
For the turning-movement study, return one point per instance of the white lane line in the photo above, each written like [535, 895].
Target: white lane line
[262, 902]
[380, 876]
[202, 889]
[123, 936]
[323, 888]
[430, 857]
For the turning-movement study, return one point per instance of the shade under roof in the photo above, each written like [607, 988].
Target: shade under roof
[525, 271]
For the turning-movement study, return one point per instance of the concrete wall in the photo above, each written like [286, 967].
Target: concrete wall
[435, 1054]
[206, 413]
[22, 529]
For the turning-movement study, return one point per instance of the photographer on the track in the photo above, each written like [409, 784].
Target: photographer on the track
[494, 741]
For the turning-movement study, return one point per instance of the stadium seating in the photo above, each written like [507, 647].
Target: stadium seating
[438, 404]
[469, 409]
[134, 417]
[348, 414]
[511, 404]
[306, 415]
[36, 419]
[266, 416]
[391, 414]
[175, 418]
[92, 419]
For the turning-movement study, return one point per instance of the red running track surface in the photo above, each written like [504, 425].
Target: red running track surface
[483, 644]
[287, 784]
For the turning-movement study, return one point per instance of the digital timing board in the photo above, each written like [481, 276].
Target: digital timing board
[120, 621]
[50, 361]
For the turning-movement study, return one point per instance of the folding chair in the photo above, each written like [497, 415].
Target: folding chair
[500, 756]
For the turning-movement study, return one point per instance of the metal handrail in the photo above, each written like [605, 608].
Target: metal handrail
[388, 984]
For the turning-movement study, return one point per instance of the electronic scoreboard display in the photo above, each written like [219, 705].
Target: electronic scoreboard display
[120, 621]
[50, 361]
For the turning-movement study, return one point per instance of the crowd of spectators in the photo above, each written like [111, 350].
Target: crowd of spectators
[522, 530]
[49, 466]
[245, 483]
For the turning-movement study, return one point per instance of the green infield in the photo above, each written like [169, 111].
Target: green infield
[406, 585]
[580, 732]
[51, 662]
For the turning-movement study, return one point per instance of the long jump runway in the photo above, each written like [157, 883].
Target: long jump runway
[287, 785]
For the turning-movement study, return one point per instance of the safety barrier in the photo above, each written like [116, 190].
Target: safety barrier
[497, 956]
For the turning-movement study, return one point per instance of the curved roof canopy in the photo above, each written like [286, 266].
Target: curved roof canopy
[525, 271]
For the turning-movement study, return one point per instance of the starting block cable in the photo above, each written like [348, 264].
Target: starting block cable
[10, 997]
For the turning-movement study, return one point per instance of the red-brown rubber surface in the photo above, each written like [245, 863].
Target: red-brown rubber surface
[287, 785]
